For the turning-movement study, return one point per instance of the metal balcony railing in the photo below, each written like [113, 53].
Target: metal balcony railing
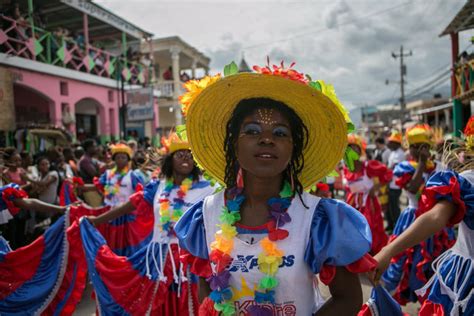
[166, 88]
[21, 40]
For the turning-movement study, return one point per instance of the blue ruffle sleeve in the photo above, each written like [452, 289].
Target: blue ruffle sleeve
[448, 185]
[136, 178]
[340, 235]
[150, 190]
[403, 168]
[103, 179]
[191, 232]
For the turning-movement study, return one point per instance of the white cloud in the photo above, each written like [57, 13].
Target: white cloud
[348, 43]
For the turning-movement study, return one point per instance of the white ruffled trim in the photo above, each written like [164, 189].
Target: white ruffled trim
[457, 273]
[372, 307]
[62, 270]
[5, 216]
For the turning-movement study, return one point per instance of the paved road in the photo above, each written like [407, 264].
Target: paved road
[87, 306]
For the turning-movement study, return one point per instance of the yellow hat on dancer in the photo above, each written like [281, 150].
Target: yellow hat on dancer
[173, 143]
[121, 149]
[395, 137]
[420, 133]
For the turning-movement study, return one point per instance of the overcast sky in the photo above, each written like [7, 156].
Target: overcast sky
[345, 42]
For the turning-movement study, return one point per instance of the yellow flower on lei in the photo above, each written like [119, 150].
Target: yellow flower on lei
[270, 248]
[228, 231]
[223, 244]
[269, 264]
[194, 88]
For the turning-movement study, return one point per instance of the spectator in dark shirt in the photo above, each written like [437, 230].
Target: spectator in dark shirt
[88, 165]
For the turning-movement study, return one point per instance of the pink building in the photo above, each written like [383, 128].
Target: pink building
[70, 65]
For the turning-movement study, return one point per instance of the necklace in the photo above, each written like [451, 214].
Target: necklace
[269, 259]
[110, 190]
[166, 216]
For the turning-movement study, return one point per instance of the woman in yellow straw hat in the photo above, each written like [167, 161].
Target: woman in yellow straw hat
[410, 269]
[152, 280]
[258, 244]
[447, 200]
[363, 184]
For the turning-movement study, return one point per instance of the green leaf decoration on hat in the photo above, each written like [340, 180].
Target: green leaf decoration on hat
[226, 309]
[350, 156]
[181, 132]
[268, 283]
[350, 127]
[333, 173]
[315, 85]
[231, 69]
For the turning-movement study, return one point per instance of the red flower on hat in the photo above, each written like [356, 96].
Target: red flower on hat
[469, 130]
[281, 71]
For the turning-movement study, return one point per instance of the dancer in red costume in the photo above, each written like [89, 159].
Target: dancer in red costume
[363, 183]
[152, 280]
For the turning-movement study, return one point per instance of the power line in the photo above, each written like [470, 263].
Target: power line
[326, 28]
[440, 76]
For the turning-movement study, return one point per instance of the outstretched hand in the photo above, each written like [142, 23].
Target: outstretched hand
[92, 219]
[383, 259]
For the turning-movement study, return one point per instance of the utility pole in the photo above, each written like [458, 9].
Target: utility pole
[403, 72]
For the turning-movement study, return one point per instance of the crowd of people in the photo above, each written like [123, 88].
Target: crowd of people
[235, 216]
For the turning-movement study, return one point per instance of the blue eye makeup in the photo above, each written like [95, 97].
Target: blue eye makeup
[251, 129]
[281, 131]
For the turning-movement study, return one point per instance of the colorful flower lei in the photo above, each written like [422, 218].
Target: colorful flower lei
[111, 190]
[268, 260]
[166, 216]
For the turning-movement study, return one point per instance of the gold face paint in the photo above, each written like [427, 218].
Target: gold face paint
[265, 116]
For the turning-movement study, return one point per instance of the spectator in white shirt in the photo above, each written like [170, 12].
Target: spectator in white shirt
[397, 155]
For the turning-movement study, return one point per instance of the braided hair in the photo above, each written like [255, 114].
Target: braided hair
[299, 133]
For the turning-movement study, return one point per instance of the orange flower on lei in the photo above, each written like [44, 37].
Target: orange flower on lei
[194, 88]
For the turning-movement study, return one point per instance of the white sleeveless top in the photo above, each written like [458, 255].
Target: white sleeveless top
[296, 293]
[125, 191]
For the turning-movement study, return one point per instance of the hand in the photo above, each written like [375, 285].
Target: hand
[92, 219]
[383, 259]
[424, 153]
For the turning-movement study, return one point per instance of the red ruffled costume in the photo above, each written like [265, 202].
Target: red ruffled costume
[358, 187]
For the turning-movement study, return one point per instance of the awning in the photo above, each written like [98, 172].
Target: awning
[464, 20]
[434, 109]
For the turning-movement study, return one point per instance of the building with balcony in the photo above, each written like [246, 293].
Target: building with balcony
[174, 62]
[70, 64]
[462, 70]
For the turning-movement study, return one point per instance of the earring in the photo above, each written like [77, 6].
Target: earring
[240, 179]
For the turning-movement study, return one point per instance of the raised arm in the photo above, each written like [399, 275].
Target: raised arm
[422, 228]
[38, 206]
[118, 211]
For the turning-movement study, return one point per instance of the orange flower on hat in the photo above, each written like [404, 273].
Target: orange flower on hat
[194, 88]
[281, 71]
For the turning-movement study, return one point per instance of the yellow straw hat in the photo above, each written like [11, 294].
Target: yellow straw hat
[121, 149]
[420, 133]
[211, 109]
[173, 143]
